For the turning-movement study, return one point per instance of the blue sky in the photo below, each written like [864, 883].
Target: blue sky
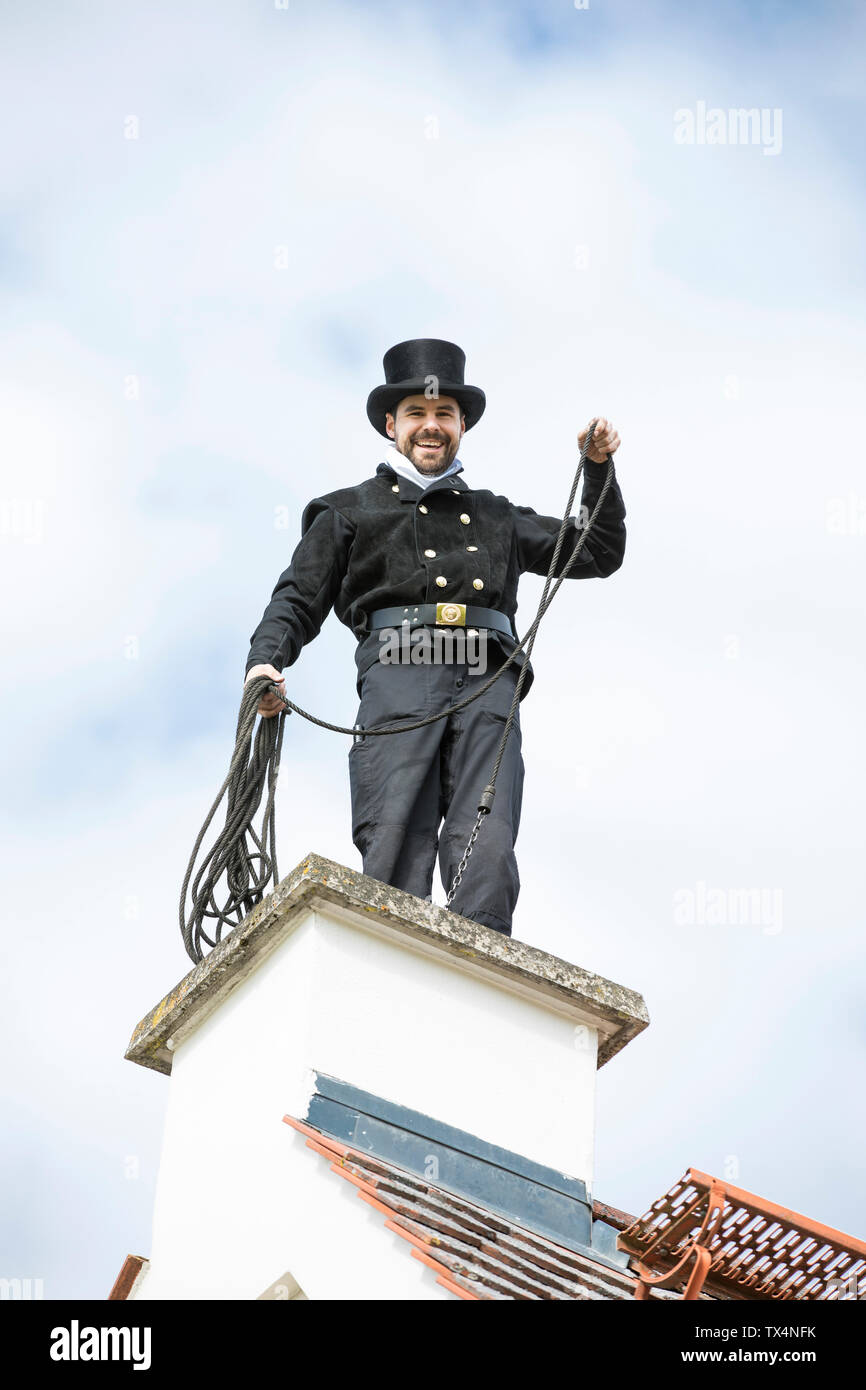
[508, 180]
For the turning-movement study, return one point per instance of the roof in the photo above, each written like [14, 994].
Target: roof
[133, 1267]
[754, 1248]
[474, 1252]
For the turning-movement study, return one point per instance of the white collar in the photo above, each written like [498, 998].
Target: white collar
[407, 470]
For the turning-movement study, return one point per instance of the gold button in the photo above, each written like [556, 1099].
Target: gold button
[422, 508]
[478, 583]
[431, 554]
[441, 580]
[472, 547]
[464, 518]
[395, 487]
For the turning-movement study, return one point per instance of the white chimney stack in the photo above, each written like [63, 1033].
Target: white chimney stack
[389, 1023]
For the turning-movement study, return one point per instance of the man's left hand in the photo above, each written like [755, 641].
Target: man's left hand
[605, 440]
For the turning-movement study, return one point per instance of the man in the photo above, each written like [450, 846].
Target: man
[405, 551]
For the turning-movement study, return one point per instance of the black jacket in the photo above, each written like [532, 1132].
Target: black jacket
[362, 548]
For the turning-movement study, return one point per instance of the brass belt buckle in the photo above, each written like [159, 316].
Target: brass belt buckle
[451, 614]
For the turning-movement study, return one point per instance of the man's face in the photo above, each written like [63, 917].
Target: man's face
[427, 432]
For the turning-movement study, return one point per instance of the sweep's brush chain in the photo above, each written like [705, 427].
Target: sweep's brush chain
[248, 861]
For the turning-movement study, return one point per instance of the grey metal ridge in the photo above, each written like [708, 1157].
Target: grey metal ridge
[540, 1198]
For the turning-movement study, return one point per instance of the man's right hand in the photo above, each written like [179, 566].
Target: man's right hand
[269, 705]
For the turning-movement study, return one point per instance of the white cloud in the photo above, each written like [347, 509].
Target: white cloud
[707, 696]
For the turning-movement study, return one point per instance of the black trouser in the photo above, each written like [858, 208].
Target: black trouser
[403, 784]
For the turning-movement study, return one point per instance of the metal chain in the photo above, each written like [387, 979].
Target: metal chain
[250, 770]
[485, 804]
[465, 858]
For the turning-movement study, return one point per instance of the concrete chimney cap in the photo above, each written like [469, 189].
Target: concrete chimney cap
[616, 1012]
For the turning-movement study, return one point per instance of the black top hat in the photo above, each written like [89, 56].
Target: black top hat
[421, 365]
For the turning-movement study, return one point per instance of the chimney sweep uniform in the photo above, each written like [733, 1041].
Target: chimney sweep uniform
[386, 552]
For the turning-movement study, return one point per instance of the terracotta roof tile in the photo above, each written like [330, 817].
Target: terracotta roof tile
[612, 1215]
[123, 1284]
[753, 1248]
[475, 1253]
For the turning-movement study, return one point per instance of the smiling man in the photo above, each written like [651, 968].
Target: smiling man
[427, 432]
[413, 548]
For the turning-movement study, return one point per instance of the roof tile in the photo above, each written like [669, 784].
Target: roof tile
[476, 1253]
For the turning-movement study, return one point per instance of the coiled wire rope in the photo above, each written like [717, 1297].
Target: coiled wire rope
[255, 765]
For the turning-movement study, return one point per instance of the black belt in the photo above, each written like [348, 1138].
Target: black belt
[441, 615]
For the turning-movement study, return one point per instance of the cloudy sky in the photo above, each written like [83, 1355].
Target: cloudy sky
[215, 220]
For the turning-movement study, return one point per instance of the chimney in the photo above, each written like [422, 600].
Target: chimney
[395, 1025]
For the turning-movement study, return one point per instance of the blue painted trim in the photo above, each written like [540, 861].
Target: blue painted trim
[470, 1144]
[543, 1200]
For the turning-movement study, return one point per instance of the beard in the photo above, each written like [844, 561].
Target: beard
[431, 465]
